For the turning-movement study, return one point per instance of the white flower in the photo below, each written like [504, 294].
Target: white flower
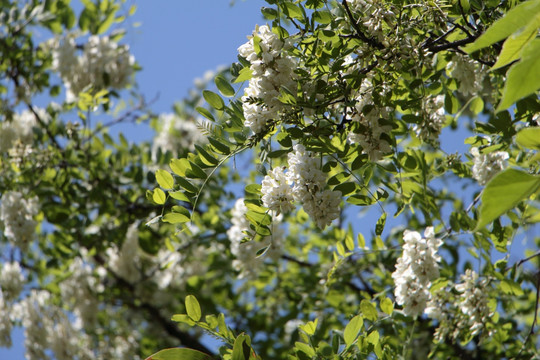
[19, 132]
[79, 290]
[468, 74]
[176, 135]
[473, 301]
[246, 260]
[371, 129]
[277, 194]
[17, 214]
[415, 270]
[11, 280]
[124, 262]
[102, 64]
[433, 118]
[272, 68]
[309, 182]
[6, 323]
[485, 166]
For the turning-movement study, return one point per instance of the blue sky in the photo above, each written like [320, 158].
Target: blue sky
[177, 42]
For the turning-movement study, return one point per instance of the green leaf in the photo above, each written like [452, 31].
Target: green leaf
[243, 75]
[220, 147]
[164, 179]
[387, 306]
[241, 348]
[310, 327]
[179, 166]
[514, 20]
[106, 24]
[159, 196]
[477, 105]
[529, 138]
[193, 308]
[294, 11]
[322, 17]
[514, 45]
[504, 192]
[379, 227]
[185, 168]
[368, 310]
[223, 86]
[204, 112]
[213, 99]
[373, 337]
[353, 329]
[183, 318]
[179, 195]
[179, 354]
[305, 348]
[206, 157]
[175, 218]
[523, 78]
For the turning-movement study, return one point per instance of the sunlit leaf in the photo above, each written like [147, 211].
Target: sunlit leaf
[504, 192]
[193, 308]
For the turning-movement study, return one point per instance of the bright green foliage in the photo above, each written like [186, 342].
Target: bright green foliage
[119, 233]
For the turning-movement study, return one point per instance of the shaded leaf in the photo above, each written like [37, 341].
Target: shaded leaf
[179, 354]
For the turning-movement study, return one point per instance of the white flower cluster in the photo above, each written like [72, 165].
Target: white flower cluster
[164, 271]
[474, 301]
[468, 74]
[79, 290]
[49, 331]
[246, 261]
[272, 68]
[277, 193]
[123, 262]
[372, 15]
[11, 286]
[415, 270]
[11, 281]
[175, 268]
[304, 183]
[433, 119]
[6, 323]
[18, 133]
[485, 166]
[175, 134]
[17, 215]
[102, 64]
[369, 137]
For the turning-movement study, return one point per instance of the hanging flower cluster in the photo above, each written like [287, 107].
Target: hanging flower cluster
[370, 129]
[433, 118]
[47, 326]
[473, 301]
[17, 215]
[102, 64]
[272, 68]
[246, 261]
[485, 166]
[304, 183]
[415, 270]
[468, 74]
[462, 315]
